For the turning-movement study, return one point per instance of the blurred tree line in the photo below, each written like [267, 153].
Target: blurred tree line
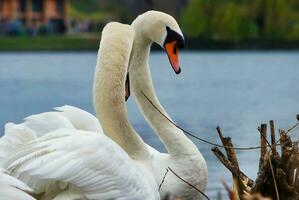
[209, 23]
[238, 20]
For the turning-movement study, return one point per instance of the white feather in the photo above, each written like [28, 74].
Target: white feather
[83, 159]
[13, 189]
[80, 119]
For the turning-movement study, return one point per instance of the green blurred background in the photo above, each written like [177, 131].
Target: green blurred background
[207, 24]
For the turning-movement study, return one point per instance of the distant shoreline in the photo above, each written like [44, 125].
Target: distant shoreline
[76, 43]
[250, 44]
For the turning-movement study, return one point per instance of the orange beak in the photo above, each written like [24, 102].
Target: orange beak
[172, 51]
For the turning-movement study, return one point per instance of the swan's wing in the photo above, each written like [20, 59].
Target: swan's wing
[66, 117]
[87, 160]
[46, 122]
[80, 119]
[13, 189]
[15, 135]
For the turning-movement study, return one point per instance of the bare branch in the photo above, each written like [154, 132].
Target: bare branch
[163, 179]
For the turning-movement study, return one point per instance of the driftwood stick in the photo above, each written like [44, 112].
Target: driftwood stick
[282, 135]
[231, 154]
[221, 157]
[281, 175]
[273, 176]
[232, 158]
[264, 140]
[263, 131]
[262, 174]
[219, 133]
[273, 140]
[234, 170]
[278, 175]
[285, 141]
[287, 153]
[229, 148]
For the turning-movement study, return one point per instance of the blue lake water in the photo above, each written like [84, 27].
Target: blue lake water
[236, 90]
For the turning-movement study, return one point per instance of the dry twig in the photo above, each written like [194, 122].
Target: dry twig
[277, 175]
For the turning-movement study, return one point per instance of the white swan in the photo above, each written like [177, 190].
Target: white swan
[68, 163]
[13, 189]
[184, 157]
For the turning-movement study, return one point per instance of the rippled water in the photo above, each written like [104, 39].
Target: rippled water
[234, 90]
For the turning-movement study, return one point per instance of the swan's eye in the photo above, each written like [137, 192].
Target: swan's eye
[174, 36]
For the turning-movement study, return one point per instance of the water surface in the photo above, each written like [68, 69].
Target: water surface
[235, 90]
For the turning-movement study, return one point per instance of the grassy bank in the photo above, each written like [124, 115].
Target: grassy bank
[50, 43]
[91, 43]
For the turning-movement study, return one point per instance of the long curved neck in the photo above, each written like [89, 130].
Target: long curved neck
[109, 99]
[176, 143]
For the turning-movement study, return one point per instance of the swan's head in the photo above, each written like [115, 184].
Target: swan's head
[162, 29]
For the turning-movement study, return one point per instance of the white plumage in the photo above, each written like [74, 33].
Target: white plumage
[88, 160]
[13, 189]
[65, 154]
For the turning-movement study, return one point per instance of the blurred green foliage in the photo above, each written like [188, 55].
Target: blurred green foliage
[217, 20]
[208, 24]
[237, 20]
[85, 10]
[50, 43]
[96, 11]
